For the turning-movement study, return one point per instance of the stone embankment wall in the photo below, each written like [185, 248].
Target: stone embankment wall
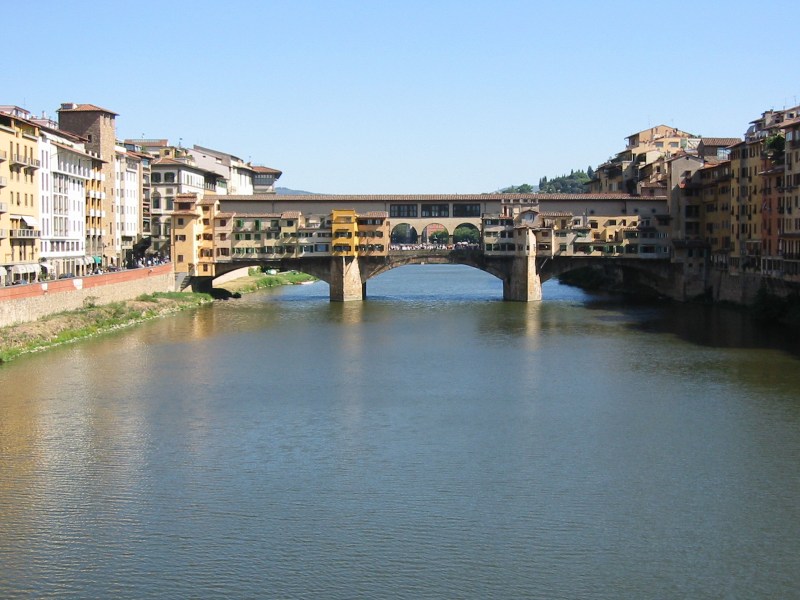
[743, 288]
[25, 303]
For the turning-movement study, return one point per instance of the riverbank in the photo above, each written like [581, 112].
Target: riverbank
[71, 326]
[257, 280]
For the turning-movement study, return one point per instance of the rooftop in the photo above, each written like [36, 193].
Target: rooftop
[72, 107]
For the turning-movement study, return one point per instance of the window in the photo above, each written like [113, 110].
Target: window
[180, 221]
[435, 210]
[169, 177]
[156, 177]
[402, 210]
[466, 210]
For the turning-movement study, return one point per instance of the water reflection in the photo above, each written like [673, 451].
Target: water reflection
[433, 441]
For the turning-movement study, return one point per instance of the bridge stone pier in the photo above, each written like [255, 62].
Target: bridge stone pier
[523, 283]
[345, 280]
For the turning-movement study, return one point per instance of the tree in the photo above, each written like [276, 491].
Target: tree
[525, 188]
[775, 146]
[439, 237]
[467, 233]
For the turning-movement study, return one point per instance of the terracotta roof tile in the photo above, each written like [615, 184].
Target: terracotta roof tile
[266, 170]
[718, 141]
[299, 198]
[87, 108]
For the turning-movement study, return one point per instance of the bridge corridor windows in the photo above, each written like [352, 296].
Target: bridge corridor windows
[403, 210]
[466, 210]
[435, 210]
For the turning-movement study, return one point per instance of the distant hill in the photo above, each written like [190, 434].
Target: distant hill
[574, 183]
[289, 192]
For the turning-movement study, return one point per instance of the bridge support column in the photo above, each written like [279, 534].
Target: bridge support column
[524, 284]
[346, 284]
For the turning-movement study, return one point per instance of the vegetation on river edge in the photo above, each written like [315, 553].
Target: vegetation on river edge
[70, 326]
[257, 279]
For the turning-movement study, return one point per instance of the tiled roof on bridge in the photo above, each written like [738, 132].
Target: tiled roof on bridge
[556, 214]
[225, 215]
[375, 214]
[291, 214]
[262, 216]
[426, 197]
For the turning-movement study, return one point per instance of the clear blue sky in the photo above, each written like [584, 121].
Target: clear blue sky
[407, 97]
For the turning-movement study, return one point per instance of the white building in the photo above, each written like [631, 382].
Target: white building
[127, 203]
[65, 169]
[237, 174]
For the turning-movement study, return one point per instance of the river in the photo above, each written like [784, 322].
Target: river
[431, 442]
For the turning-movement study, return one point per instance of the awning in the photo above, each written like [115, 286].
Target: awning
[21, 269]
[29, 221]
[46, 266]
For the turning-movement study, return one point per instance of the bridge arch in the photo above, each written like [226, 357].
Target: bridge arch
[468, 257]
[404, 233]
[466, 232]
[626, 274]
[435, 233]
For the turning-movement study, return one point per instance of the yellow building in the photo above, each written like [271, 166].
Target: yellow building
[187, 235]
[715, 210]
[344, 229]
[746, 167]
[19, 198]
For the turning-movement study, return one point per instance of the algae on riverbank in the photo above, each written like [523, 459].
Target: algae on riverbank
[65, 327]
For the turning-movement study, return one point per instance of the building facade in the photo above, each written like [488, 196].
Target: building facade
[19, 197]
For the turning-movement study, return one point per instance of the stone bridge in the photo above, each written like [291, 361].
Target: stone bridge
[521, 275]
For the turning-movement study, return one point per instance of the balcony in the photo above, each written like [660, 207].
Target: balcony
[24, 161]
[28, 234]
[3, 155]
[3, 234]
[3, 207]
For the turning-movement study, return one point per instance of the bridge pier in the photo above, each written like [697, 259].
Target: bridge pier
[346, 284]
[524, 283]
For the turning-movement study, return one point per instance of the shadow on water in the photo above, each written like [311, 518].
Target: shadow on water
[712, 326]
